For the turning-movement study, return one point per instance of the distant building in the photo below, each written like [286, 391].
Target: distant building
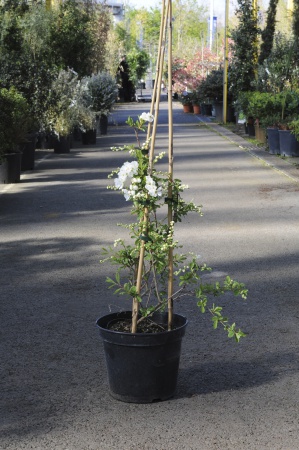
[117, 9]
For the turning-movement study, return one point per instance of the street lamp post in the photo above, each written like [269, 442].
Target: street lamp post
[225, 65]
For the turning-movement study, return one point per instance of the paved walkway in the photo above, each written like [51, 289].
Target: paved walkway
[53, 224]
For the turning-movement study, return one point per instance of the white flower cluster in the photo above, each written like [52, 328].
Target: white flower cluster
[152, 188]
[127, 174]
[169, 242]
[147, 117]
[127, 170]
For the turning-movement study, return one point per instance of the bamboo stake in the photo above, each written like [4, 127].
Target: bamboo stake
[158, 83]
[135, 305]
[159, 63]
[170, 167]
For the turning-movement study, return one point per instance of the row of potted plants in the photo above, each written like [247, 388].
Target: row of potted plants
[207, 95]
[272, 117]
[73, 104]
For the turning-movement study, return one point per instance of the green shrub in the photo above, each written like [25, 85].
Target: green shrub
[104, 91]
[14, 120]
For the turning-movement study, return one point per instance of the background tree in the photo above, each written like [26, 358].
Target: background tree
[268, 32]
[244, 48]
[280, 70]
[71, 39]
[190, 26]
[24, 56]
[296, 19]
[99, 27]
[138, 61]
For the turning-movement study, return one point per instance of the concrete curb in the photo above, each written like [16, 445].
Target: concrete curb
[287, 166]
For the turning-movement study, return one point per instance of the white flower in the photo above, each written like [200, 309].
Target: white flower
[159, 192]
[127, 170]
[184, 186]
[151, 187]
[147, 117]
[118, 183]
[126, 194]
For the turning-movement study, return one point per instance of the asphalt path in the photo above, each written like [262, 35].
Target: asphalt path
[53, 382]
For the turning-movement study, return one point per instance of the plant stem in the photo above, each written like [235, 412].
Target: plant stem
[135, 306]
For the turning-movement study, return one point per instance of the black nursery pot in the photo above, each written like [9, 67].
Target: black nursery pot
[103, 124]
[142, 367]
[89, 137]
[62, 144]
[273, 141]
[13, 174]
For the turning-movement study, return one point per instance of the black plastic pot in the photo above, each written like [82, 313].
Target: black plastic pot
[289, 146]
[142, 367]
[13, 167]
[273, 141]
[209, 108]
[103, 124]
[3, 172]
[251, 130]
[28, 152]
[89, 137]
[62, 144]
[230, 113]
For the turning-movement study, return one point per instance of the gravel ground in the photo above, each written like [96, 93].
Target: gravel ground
[53, 383]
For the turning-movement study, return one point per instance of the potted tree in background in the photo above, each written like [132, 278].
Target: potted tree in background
[103, 90]
[186, 100]
[14, 125]
[85, 116]
[61, 116]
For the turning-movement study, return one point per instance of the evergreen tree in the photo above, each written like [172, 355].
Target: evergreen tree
[244, 48]
[268, 32]
[296, 20]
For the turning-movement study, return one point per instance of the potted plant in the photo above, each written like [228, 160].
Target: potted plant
[289, 138]
[142, 346]
[211, 88]
[186, 100]
[287, 125]
[196, 101]
[62, 114]
[271, 125]
[103, 90]
[14, 123]
[85, 116]
[260, 105]
[242, 106]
